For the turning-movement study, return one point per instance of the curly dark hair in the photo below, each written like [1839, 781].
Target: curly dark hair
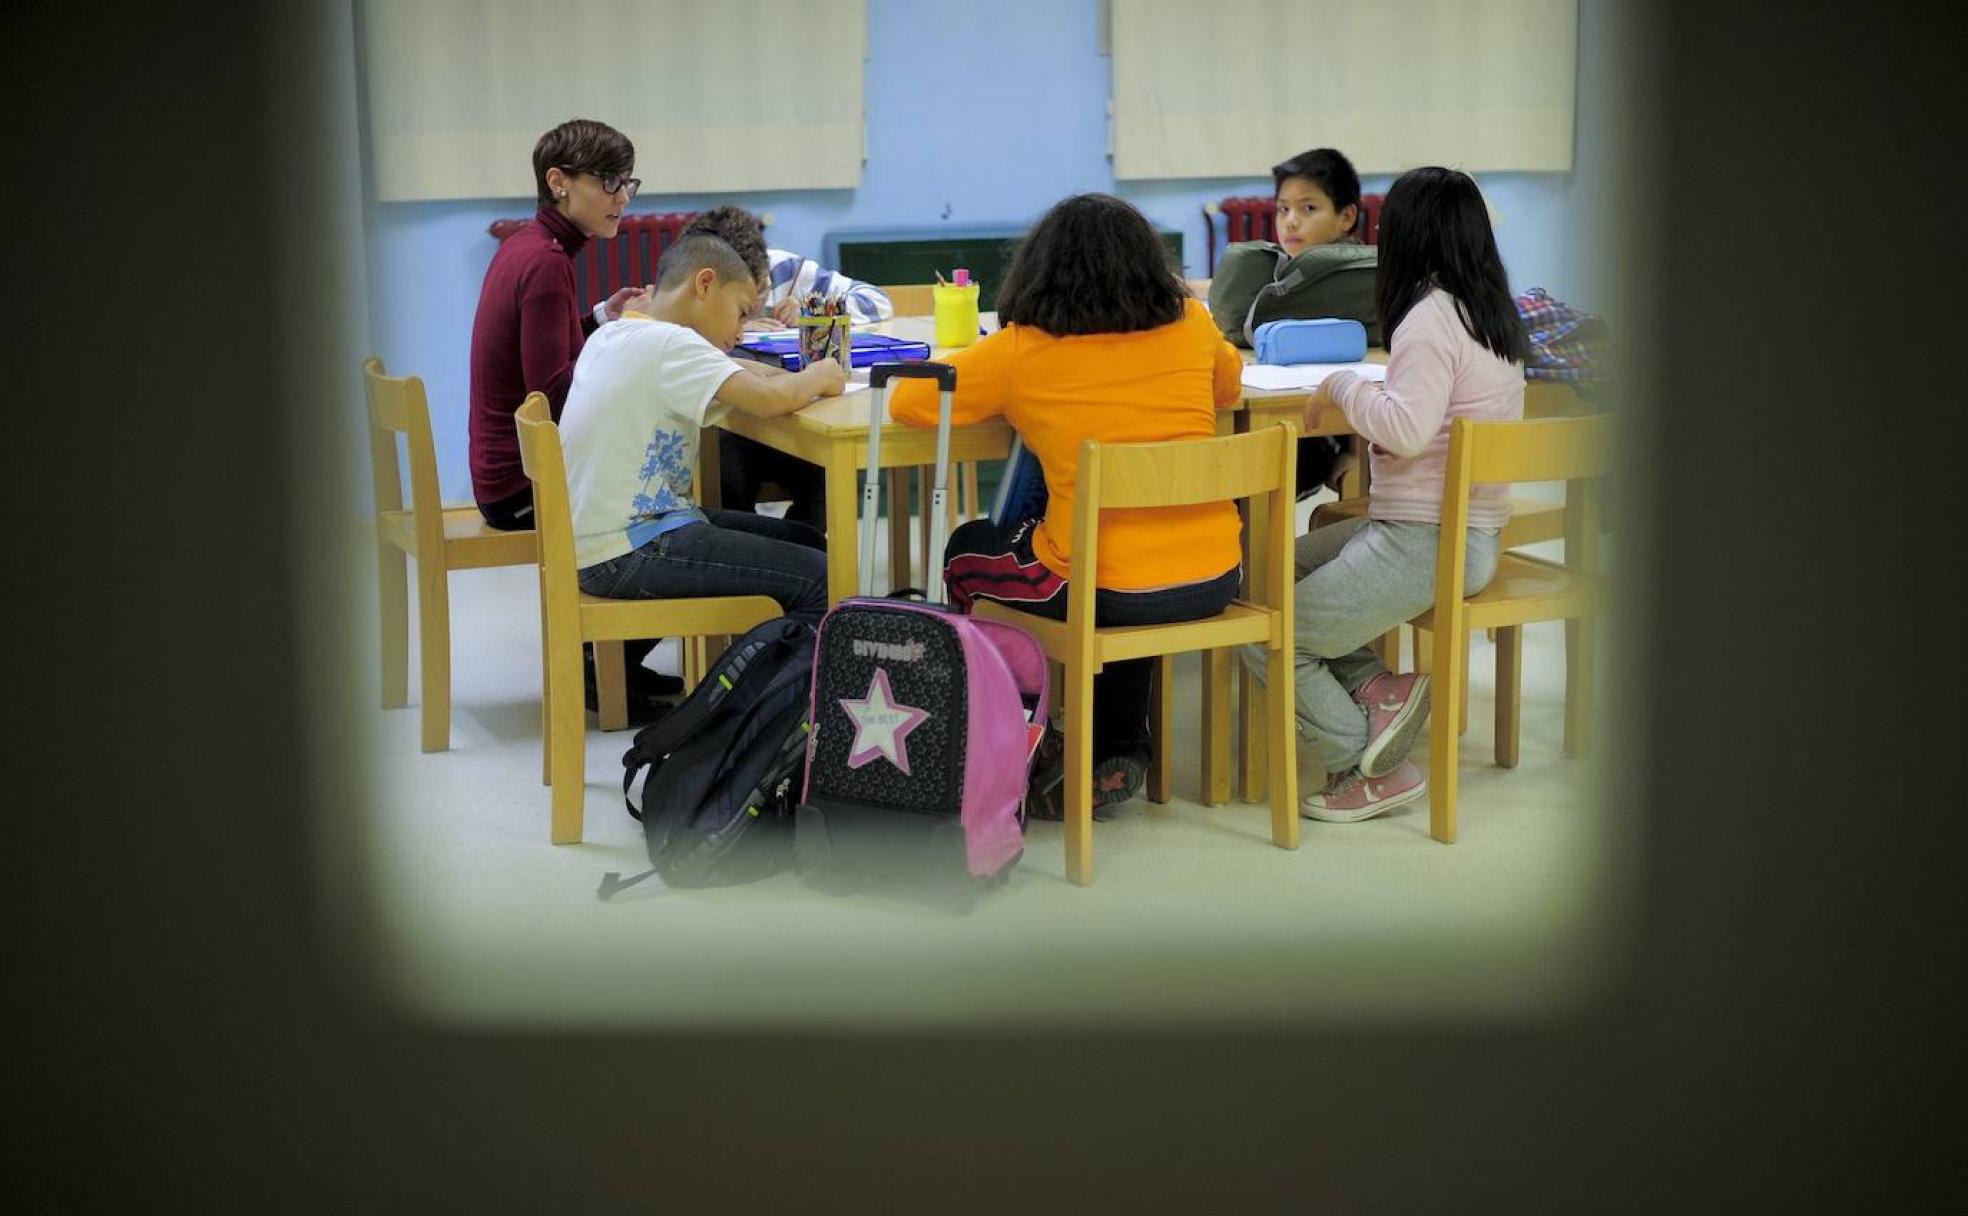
[584, 146]
[1093, 264]
[738, 228]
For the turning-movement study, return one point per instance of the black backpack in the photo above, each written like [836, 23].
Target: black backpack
[724, 766]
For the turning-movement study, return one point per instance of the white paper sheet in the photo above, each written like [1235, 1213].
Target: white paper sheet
[1306, 375]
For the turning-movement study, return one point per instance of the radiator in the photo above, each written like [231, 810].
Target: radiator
[628, 260]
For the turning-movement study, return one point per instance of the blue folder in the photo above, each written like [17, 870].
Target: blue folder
[864, 350]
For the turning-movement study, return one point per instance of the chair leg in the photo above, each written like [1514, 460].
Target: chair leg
[1216, 726]
[1509, 692]
[1443, 740]
[546, 698]
[1462, 716]
[434, 636]
[1250, 709]
[393, 579]
[924, 524]
[1389, 648]
[1578, 685]
[566, 738]
[1079, 776]
[1282, 715]
[1424, 647]
[972, 509]
[611, 686]
[898, 529]
[1161, 722]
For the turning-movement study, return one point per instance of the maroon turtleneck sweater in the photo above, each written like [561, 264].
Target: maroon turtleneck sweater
[525, 338]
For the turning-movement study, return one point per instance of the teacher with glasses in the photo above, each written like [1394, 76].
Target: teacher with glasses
[530, 325]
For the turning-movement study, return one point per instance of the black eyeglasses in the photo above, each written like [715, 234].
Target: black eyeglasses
[611, 183]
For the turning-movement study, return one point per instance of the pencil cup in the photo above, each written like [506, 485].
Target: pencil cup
[821, 337]
[956, 314]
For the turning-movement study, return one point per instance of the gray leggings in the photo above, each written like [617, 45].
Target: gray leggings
[1357, 580]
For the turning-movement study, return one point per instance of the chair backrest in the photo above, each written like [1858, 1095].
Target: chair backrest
[1574, 450]
[628, 259]
[553, 515]
[398, 406]
[1114, 476]
[912, 299]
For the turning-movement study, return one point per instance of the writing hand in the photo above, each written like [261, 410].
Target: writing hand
[786, 311]
[831, 375]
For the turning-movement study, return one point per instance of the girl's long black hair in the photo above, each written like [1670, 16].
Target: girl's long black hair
[1435, 232]
[1093, 264]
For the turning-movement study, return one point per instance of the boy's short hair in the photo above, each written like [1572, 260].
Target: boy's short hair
[738, 228]
[692, 252]
[1326, 168]
[580, 145]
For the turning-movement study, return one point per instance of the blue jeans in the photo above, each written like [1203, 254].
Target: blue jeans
[735, 553]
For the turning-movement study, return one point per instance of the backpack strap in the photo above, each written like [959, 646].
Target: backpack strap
[644, 754]
[659, 739]
[1276, 287]
[1298, 277]
[613, 881]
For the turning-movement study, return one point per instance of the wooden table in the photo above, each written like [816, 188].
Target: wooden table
[833, 433]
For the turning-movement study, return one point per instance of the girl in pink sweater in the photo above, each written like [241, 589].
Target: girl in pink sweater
[1456, 349]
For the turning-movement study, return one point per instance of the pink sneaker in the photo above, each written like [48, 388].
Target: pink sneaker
[1397, 708]
[1349, 797]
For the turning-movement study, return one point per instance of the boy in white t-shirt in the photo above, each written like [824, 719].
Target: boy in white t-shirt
[642, 388]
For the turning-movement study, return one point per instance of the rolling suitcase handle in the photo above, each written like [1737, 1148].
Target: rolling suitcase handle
[878, 377]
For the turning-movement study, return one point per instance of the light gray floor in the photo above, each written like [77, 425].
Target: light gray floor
[1193, 913]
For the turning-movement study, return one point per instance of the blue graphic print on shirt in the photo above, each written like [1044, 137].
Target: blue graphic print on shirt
[666, 475]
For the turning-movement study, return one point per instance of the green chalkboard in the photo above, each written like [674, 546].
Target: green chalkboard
[916, 257]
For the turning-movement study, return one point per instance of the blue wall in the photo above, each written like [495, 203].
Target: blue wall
[1029, 127]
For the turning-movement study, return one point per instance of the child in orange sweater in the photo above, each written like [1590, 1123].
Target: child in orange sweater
[1101, 340]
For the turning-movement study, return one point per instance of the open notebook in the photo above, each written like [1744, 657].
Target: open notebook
[1305, 375]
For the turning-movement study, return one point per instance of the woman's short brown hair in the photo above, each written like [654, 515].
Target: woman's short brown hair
[580, 145]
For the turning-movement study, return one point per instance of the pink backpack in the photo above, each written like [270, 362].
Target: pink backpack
[924, 720]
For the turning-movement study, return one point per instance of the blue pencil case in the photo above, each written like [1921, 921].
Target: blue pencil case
[1323, 340]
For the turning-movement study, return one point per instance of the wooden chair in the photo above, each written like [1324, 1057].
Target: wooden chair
[912, 299]
[1532, 521]
[1116, 476]
[570, 617]
[441, 538]
[1525, 589]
